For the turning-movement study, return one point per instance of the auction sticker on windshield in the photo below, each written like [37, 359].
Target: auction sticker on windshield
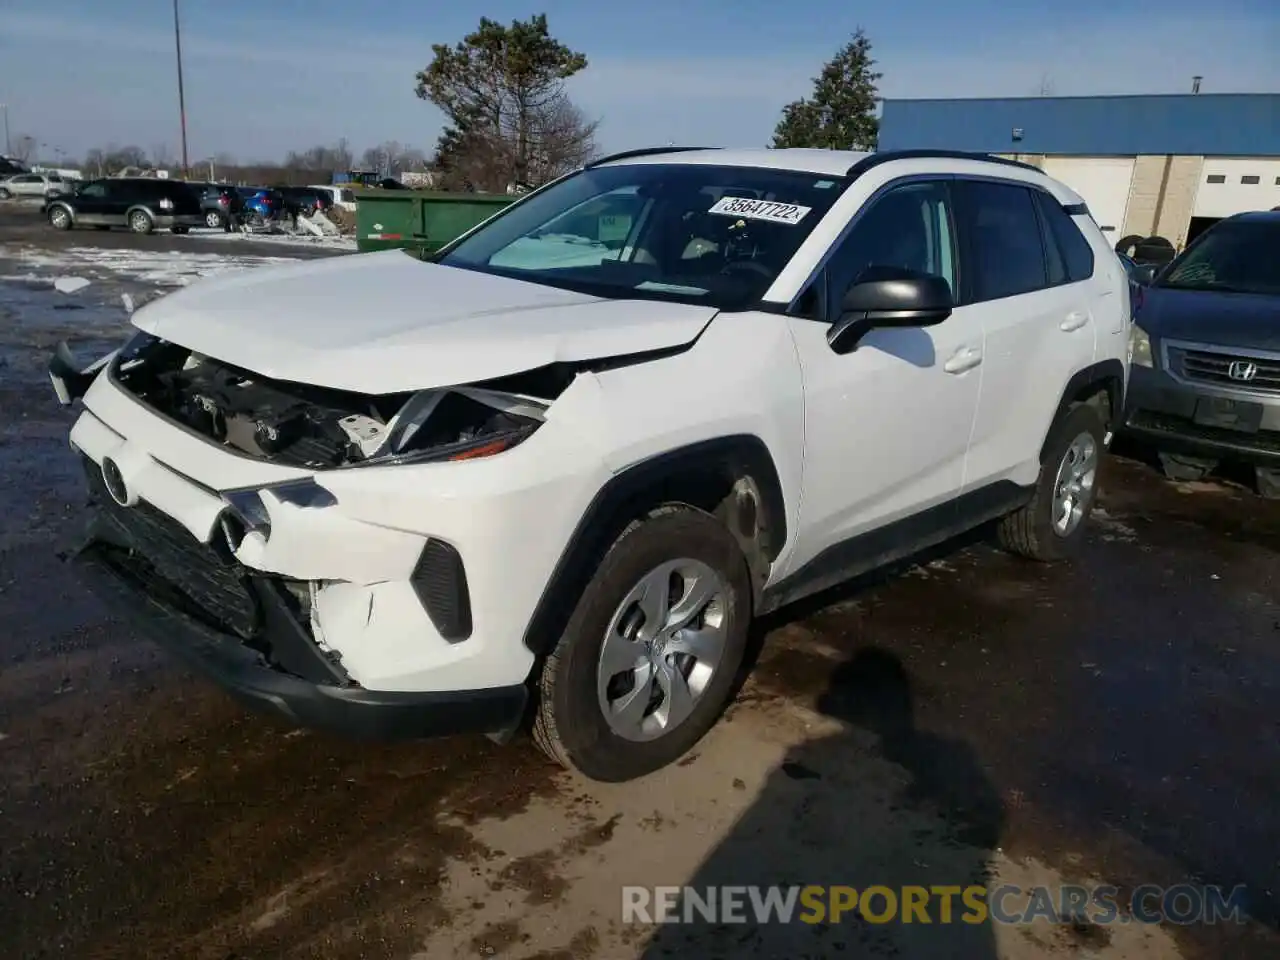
[745, 207]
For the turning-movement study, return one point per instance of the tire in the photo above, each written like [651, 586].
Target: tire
[1128, 246]
[1033, 531]
[60, 218]
[140, 222]
[1177, 466]
[570, 723]
[213, 219]
[5, 194]
[1268, 482]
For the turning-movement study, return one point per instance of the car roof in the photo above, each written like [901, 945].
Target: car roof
[850, 163]
[830, 162]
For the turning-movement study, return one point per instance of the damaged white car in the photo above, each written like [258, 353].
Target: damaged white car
[553, 474]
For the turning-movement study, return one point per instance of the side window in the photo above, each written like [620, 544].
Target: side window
[96, 190]
[1004, 240]
[1076, 252]
[908, 227]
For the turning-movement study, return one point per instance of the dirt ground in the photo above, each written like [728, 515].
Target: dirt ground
[970, 718]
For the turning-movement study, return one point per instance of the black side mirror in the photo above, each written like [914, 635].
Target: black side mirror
[889, 297]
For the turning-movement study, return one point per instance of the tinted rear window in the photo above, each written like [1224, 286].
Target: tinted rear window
[1069, 241]
[1005, 240]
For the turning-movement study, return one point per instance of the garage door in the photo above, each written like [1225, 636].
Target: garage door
[1103, 183]
[1234, 186]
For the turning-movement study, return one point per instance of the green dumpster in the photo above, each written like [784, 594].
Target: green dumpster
[420, 220]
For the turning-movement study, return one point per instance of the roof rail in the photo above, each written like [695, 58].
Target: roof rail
[643, 152]
[869, 163]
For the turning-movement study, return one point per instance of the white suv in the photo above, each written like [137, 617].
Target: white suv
[557, 470]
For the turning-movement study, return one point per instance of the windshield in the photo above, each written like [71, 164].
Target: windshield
[692, 233]
[1239, 257]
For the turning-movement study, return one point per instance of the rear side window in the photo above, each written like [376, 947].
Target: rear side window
[1074, 248]
[1004, 239]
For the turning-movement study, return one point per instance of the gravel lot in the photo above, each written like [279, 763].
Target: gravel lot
[969, 718]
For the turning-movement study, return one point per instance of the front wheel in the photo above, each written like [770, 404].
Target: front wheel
[213, 219]
[5, 194]
[1051, 526]
[60, 218]
[140, 221]
[650, 655]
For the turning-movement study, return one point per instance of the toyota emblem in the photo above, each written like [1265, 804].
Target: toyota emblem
[1242, 370]
[114, 480]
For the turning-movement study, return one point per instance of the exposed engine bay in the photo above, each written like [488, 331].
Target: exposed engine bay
[306, 426]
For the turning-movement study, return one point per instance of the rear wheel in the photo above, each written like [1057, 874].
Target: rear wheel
[60, 218]
[140, 221]
[1051, 526]
[650, 655]
[213, 219]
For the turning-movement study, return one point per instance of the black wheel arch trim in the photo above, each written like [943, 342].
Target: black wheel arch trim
[1106, 375]
[743, 454]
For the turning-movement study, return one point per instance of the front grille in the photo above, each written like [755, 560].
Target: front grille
[1212, 367]
[215, 584]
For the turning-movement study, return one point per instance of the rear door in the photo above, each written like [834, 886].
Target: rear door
[1038, 324]
[121, 195]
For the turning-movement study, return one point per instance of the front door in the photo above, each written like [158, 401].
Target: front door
[91, 203]
[886, 426]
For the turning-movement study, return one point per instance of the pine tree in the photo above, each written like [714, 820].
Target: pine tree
[841, 112]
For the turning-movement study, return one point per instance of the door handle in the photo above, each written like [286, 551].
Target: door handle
[1074, 321]
[966, 358]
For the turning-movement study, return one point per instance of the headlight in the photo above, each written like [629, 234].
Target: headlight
[1139, 347]
[473, 449]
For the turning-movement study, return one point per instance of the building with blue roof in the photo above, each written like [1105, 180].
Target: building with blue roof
[1151, 165]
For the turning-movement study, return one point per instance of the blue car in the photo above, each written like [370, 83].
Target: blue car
[261, 202]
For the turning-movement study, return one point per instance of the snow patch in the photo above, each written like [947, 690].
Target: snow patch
[70, 284]
[162, 269]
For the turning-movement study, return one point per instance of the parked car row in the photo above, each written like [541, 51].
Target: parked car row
[144, 204]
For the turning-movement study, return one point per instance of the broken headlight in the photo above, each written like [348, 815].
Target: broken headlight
[461, 423]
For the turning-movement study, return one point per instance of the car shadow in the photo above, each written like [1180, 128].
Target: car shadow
[879, 803]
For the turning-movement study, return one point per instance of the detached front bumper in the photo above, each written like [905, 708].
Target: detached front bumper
[280, 669]
[1177, 417]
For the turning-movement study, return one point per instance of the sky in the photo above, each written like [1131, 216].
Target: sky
[266, 76]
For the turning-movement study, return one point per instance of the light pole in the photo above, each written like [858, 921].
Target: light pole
[182, 100]
[8, 150]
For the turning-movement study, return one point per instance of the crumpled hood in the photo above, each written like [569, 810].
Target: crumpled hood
[387, 322]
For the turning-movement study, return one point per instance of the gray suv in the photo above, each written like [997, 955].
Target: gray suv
[1205, 380]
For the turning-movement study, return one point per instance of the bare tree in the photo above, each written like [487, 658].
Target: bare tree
[393, 157]
[24, 148]
[95, 163]
[161, 155]
[1046, 86]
